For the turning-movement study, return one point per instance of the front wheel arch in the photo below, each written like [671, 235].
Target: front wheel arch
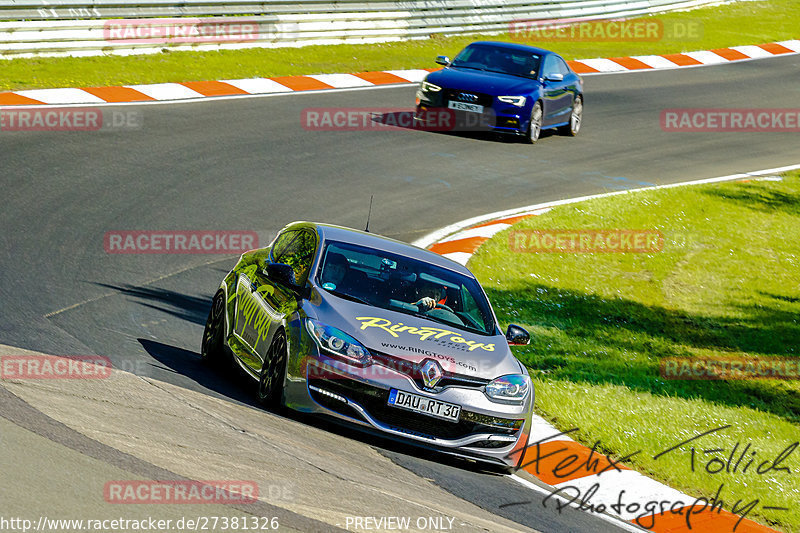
[212, 350]
[573, 127]
[272, 375]
[535, 128]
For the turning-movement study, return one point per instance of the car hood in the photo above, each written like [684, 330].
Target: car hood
[493, 83]
[415, 339]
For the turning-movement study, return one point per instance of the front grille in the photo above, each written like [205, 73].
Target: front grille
[374, 401]
[455, 95]
[413, 370]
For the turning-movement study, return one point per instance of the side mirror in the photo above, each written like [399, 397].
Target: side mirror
[554, 77]
[281, 273]
[517, 335]
[443, 60]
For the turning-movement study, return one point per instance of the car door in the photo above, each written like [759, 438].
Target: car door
[262, 303]
[556, 91]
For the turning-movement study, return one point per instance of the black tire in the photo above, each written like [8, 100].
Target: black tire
[535, 124]
[575, 119]
[212, 349]
[270, 381]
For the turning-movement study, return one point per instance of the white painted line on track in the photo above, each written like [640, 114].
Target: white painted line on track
[258, 86]
[657, 62]
[341, 81]
[752, 51]
[166, 91]
[459, 257]
[603, 65]
[445, 232]
[413, 75]
[206, 99]
[793, 45]
[706, 57]
[62, 96]
[483, 231]
[542, 430]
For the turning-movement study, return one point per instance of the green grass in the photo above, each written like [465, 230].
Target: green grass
[724, 285]
[726, 25]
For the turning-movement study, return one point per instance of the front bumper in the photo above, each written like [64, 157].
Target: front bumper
[486, 431]
[432, 113]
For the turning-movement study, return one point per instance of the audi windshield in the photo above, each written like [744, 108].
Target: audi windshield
[498, 59]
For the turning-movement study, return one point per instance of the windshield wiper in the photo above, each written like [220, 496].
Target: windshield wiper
[350, 297]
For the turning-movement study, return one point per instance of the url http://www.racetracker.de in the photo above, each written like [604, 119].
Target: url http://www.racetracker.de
[196, 523]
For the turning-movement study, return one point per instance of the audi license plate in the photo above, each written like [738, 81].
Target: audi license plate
[424, 405]
[462, 106]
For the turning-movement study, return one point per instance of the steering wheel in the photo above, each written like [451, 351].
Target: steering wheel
[442, 306]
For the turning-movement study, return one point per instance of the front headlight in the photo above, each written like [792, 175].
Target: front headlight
[429, 87]
[338, 343]
[518, 101]
[511, 388]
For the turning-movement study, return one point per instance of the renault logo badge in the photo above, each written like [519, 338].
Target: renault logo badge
[431, 373]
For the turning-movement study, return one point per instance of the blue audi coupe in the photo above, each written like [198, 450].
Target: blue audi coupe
[503, 87]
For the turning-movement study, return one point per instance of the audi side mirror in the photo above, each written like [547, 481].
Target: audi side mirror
[554, 77]
[443, 60]
[517, 335]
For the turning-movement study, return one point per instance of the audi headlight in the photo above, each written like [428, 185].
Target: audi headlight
[338, 343]
[429, 87]
[518, 101]
[511, 388]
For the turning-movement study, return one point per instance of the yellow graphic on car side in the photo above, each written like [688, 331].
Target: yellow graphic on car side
[424, 332]
[253, 315]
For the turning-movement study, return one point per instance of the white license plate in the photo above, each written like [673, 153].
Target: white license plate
[424, 405]
[461, 106]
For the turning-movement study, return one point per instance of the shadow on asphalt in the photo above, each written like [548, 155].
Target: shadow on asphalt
[404, 120]
[193, 309]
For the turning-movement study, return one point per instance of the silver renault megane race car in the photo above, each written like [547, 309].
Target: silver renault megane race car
[376, 332]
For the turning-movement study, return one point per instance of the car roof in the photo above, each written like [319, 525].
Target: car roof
[515, 46]
[330, 232]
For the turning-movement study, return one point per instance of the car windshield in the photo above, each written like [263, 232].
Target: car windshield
[399, 283]
[498, 59]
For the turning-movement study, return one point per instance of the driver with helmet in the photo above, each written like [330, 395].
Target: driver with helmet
[430, 295]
